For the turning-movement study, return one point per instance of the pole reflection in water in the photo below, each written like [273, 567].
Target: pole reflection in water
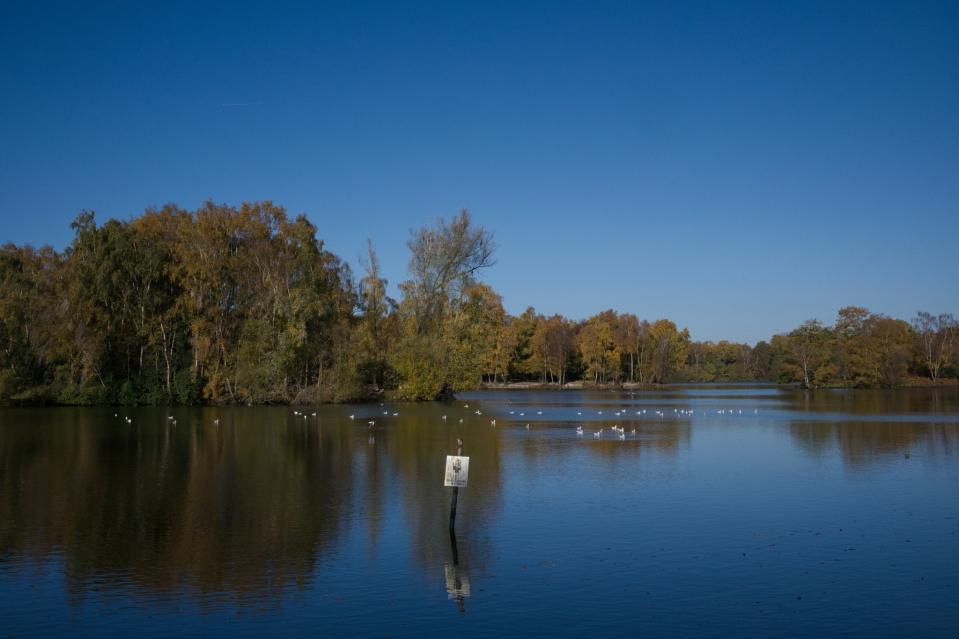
[457, 577]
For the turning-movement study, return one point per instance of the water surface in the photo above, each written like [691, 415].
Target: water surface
[732, 510]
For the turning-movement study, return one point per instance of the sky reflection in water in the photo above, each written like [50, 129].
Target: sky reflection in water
[766, 511]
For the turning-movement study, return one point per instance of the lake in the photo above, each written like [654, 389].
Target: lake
[732, 510]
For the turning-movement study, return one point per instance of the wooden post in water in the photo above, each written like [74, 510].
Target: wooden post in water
[456, 492]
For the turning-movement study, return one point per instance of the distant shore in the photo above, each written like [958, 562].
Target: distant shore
[914, 382]
[380, 395]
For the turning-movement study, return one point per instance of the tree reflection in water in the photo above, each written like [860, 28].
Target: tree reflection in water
[257, 504]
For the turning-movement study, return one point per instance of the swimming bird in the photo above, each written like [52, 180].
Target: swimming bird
[597, 433]
[352, 416]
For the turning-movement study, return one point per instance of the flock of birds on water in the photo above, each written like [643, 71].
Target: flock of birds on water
[618, 431]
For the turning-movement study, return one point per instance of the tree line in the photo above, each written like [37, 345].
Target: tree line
[242, 304]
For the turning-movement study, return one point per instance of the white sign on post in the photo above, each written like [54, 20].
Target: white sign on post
[457, 471]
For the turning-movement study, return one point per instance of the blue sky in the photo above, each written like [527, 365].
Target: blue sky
[736, 167]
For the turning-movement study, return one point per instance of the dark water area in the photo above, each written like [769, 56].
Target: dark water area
[732, 510]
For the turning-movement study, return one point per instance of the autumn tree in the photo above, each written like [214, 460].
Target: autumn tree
[628, 336]
[937, 340]
[598, 348]
[668, 345]
[892, 339]
[31, 321]
[765, 362]
[470, 335]
[852, 351]
[807, 352]
[444, 261]
[524, 361]
[245, 304]
[377, 322]
[552, 345]
[500, 356]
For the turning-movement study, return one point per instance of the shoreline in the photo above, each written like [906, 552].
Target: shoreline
[580, 385]
[914, 383]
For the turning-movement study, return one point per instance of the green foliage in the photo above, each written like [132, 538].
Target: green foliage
[523, 364]
[126, 395]
[222, 304]
[598, 347]
[186, 390]
[420, 363]
[242, 304]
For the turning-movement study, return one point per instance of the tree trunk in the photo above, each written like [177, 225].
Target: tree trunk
[166, 358]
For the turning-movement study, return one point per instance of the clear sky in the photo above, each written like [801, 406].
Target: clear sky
[736, 167]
